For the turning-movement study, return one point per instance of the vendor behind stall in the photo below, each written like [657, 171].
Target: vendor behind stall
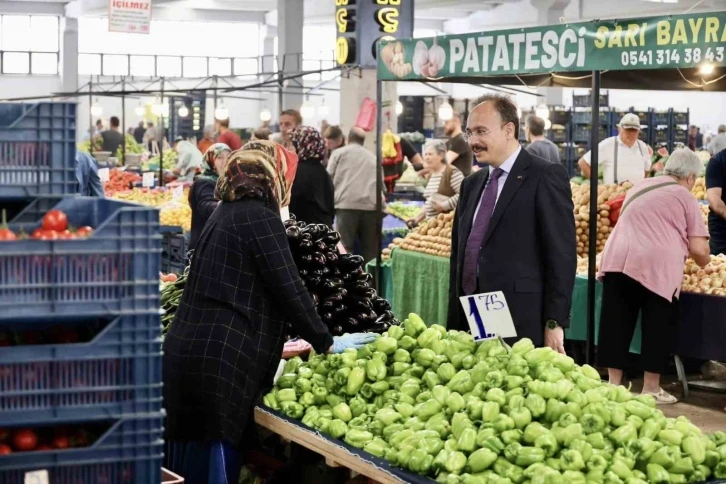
[444, 183]
[201, 195]
[225, 343]
[188, 161]
[660, 225]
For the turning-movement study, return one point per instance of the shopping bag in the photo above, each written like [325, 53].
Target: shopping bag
[616, 205]
[366, 119]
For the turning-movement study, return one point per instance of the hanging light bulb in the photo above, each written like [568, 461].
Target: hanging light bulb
[323, 110]
[183, 111]
[306, 110]
[265, 115]
[157, 108]
[221, 113]
[542, 111]
[706, 69]
[96, 109]
[399, 108]
[140, 110]
[519, 113]
[446, 112]
[548, 124]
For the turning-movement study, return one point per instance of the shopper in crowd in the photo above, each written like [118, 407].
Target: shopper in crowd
[139, 133]
[225, 343]
[188, 161]
[716, 193]
[718, 142]
[89, 183]
[442, 188]
[312, 195]
[514, 229]
[623, 157]
[260, 134]
[660, 225]
[695, 138]
[151, 136]
[538, 144]
[226, 135]
[290, 120]
[111, 139]
[201, 194]
[334, 139]
[459, 152]
[353, 170]
[208, 140]
[99, 126]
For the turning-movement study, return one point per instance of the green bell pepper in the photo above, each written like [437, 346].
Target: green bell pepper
[320, 394]
[712, 458]
[410, 388]
[340, 377]
[548, 443]
[643, 448]
[446, 372]
[407, 343]
[270, 400]
[461, 382]
[536, 405]
[455, 462]
[292, 365]
[509, 436]
[402, 356]
[440, 394]
[517, 365]
[440, 424]
[467, 440]
[682, 465]
[522, 347]
[428, 337]
[487, 412]
[695, 448]
[657, 474]
[534, 430]
[640, 409]
[597, 462]
[670, 437]
[307, 400]
[358, 438]
[527, 456]
[415, 371]
[342, 412]
[502, 423]
[539, 355]
[414, 325]
[571, 460]
[427, 409]
[459, 422]
[574, 477]
[650, 429]
[405, 409]
[287, 380]
[386, 345]
[663, 457]
[305, 372]
[420, 461]
[455, 403]
[623, 434]
[511, 450]
[424, 357]
[494, 444]
[432, 445]
[566, 435]
[396, 332]
[337, 428]
[357, 405]
[310, 419]
[481, 459]
[388, 416]
[720, 471]
[424, 397]
[620, 468]
[567, 419]
[391, 430]
[377, 447]
[375, 369]
[496, 395]
[398, 368]
[379, 387]
[554, 410]
[431, 379]
[515, 402]
[292, 409]
[592, 423]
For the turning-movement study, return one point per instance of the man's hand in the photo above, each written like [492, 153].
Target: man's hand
[555, 339]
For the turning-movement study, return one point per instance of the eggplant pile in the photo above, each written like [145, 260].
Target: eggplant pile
[338, 284]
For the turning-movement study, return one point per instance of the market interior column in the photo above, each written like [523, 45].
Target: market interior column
[69, 55]
[290, 18]
[355, 87]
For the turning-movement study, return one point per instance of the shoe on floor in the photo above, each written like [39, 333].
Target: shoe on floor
[662, 397]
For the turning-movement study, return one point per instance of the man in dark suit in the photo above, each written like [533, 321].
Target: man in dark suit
[514, 229]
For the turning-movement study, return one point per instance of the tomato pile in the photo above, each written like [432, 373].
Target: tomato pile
[54, 227]
[44, 439]
[120, 180]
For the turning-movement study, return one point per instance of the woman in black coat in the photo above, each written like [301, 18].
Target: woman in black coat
[313, 195]
[201, 194]
[226, 340]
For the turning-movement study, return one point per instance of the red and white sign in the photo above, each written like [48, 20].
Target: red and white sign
[130, 16]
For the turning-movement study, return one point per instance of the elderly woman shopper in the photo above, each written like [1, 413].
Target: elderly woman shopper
[313, 195]
[660, 225]
[226, 340]
[188, 161]
[201, 194]
[444, 183]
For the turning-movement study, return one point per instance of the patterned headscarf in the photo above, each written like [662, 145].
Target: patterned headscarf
[308, 143]
[207, 170]
[260, 169]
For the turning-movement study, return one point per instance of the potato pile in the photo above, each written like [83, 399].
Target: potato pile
[706, 280]
[582, 265]
[699, 189]
[704, 213]
[581, 200]
[432, 237]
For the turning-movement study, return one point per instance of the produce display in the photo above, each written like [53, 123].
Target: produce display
[49, 438]
[404, 211]
[176, 213]
[171, 293]
[173, 212]
[581, 200]
[706, 280]
[54, 226]
[704, 213]
[436, 403]
[699, 189]
[85, 146]
[120, 180]
[153, 197]
[132, 147]
[432, 237]
[337, 283]
[168, 161]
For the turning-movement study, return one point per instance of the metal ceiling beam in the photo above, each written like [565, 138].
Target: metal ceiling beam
[32, 8]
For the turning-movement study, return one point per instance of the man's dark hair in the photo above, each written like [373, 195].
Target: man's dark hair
[505, 107]
[223, 122]
[333, 132]
[115, 123]
[356, 135]
[262, 133]
[295, 114]
[99, 122]
[536, 125]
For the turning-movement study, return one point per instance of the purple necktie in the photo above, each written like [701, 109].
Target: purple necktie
[478, 230]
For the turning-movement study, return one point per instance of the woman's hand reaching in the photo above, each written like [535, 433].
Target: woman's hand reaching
[355, 340]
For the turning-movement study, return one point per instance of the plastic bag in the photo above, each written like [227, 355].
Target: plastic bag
[366, 119]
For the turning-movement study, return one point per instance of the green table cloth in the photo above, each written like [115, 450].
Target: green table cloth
[385, 287]
[420, 285]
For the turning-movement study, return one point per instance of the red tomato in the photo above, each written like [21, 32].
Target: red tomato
[49, 235]
[66, 234]
[25, 440]
[7, 234]
[61, 442]
[55, 220]
[5, 449]
[84, 231]
[43, 447]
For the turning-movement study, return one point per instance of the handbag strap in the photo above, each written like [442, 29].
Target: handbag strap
[643, 192]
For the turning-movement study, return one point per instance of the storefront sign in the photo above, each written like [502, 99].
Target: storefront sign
[361, 23]
[130, 16]
[677, 41]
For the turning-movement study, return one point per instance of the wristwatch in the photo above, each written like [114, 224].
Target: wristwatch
[551, 324]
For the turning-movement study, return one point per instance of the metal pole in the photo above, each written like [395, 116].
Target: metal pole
[592, 247]
[90, 114]
[379, 180]
[214, 84]
[161, 136]
[123, 119]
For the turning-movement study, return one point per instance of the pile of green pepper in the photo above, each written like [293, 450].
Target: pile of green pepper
[437, 403]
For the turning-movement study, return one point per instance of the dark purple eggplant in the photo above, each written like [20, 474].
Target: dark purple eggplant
[340, 308]
[304, 273]
[336, 273]
[306, 259]
[385, 316]
[315, 298]
[350, 323]
[357, 285]
[305, 245]
[394, 322]
[379, 328]
[330, 285]
[359, 303]
[380, 305]
[365, 277]
[348, 277]
[363, 317]
[318, 272]
[327, 317]
[327, 305]
[313, 281]
[320, 246]
[318, 259]
[293, 233]
[336, 330]
[336, 298]
[368, 292]
[331, 238]
[331, 257]
[301, 224]
[350, 262]
[358, 271]
[291, 222]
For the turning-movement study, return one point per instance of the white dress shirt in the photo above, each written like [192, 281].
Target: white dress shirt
[506, 167]
[633, 161]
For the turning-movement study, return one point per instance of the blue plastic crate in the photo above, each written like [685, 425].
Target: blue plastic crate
[117, 372]
[129, 452]
[115, 270]
[37, 150]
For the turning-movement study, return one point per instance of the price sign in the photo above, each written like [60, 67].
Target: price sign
[178, 192]
[36, 477]
[147, 179]
[488, 315]
[104, 174]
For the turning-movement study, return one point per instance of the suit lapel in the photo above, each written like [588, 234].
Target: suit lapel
[514, 180]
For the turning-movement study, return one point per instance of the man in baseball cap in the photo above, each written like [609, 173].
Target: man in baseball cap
[623, 157]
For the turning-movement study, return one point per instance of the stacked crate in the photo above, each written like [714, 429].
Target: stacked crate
[80, 330]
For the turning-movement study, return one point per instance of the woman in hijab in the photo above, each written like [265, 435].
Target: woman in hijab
[225, 343]
[201, 194]
[313, 195]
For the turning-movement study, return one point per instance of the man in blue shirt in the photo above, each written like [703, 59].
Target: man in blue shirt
[715, 182]
[87, 175]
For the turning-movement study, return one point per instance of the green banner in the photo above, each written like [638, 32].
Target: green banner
[684, 41]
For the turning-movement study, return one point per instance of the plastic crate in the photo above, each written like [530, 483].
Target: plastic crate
[661, 118]
[661, 135]
[558, 135]
[584, 100]
[117, 372]
[585, 117]
[680, 118]
[37, 149]
[115, 270]
[129, 452]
